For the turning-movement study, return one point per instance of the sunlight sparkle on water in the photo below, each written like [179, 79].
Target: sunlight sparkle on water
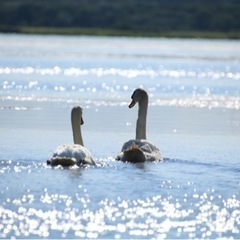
[115, 82]
[153, 217]
[126, 73]
[194, 102]
[144, 217]
[198, 101]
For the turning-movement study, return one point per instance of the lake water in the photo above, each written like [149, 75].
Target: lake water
[193, 118]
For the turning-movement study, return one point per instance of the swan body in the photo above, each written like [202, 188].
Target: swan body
[73, 154]
[139, 149]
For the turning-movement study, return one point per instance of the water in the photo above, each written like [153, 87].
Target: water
[193, 117]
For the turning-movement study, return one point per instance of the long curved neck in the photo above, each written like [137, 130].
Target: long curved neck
[76, 123]
[142, 118]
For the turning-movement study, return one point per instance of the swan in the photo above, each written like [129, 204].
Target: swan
[73, 154]
[139, 149]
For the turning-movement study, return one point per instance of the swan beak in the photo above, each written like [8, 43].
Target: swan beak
[82, 122]
[132, 104]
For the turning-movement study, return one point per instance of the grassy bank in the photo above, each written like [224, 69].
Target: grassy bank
[113, 32]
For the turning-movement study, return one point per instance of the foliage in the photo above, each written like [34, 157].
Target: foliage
[149, 17]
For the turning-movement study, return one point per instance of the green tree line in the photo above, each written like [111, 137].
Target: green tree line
[150, 17]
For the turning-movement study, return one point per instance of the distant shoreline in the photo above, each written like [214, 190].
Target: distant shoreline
[120, 33]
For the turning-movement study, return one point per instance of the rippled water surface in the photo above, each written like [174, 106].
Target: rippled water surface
[193, 117]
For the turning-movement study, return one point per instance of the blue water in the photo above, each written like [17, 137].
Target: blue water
[193, 118]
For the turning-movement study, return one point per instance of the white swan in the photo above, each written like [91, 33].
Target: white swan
[71, 154]
[139, 149]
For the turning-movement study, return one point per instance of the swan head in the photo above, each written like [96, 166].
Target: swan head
[134, 155]
[77, 113]
[137, 96]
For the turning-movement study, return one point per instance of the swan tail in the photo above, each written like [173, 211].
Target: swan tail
[133, 154]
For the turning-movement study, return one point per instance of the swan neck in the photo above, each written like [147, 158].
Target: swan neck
[142, 118]
[76, 128]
